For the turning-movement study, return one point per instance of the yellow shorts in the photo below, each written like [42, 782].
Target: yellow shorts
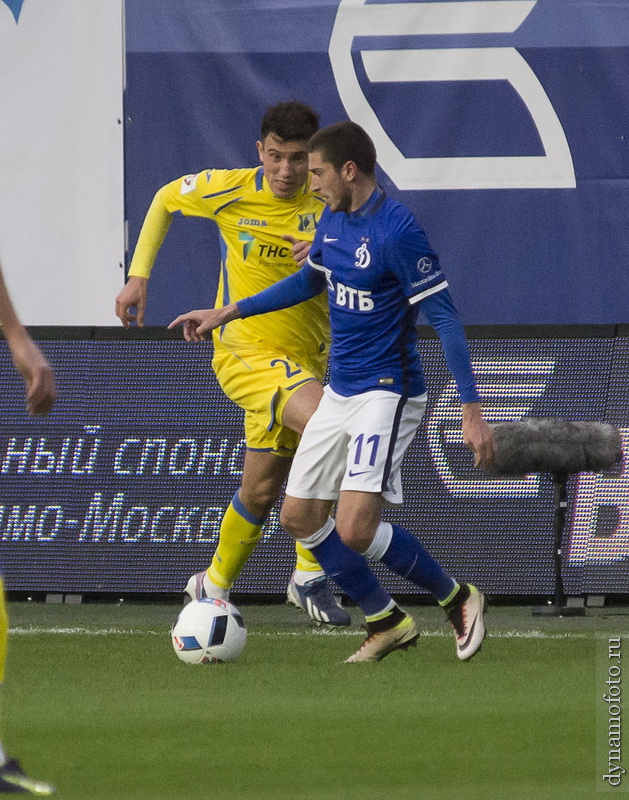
[261, 382]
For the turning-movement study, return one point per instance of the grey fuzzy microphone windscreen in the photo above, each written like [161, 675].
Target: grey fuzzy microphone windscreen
[554, 445]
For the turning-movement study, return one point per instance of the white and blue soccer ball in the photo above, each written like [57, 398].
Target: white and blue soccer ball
[209, 631]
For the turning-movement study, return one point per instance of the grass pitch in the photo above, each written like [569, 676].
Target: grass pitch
[98, 704]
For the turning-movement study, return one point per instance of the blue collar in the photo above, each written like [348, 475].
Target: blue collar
[371, 205]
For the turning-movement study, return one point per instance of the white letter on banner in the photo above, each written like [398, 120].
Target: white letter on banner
[44, 531]
[510, 388]
[354, 18]
[44, 460]
[595, 492]
[13, 453]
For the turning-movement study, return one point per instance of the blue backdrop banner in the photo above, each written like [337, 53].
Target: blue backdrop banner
[502, 124]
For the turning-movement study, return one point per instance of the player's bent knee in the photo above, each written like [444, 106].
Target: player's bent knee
[304, 517]
[259, 502]
[293, 522]
[354, 536]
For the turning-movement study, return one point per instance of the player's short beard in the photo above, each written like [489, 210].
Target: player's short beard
[344, 201]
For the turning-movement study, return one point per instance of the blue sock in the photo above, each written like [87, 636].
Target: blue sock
[352, 573]
[407, 557]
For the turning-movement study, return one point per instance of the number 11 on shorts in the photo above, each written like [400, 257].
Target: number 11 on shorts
[374, 441]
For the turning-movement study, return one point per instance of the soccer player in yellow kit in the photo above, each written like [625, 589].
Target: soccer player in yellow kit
[40, 396]
[271, 367]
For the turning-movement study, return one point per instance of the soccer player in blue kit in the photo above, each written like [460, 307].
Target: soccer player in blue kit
[379, 270]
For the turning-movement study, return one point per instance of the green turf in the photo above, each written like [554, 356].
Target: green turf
[107, 712]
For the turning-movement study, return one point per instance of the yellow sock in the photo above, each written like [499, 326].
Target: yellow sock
[451, 596]
[386, 612]
[240, 533]
[305, 559]
[4, 631]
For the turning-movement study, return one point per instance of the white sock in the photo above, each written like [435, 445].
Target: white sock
[381, 541]
[302, 576]
[212, 590]
[318, 536]
[3, 756]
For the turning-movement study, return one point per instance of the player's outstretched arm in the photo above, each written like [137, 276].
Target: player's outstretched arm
[28, 359]
[202, 321]
[300, 286]
[442, 315]
[131, 300]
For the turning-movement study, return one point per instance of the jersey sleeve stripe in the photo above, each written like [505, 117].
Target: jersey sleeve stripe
[433, 290]
[223, 191]
[316, 266]
[225, 205]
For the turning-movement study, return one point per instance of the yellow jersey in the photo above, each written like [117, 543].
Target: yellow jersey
[251, 221]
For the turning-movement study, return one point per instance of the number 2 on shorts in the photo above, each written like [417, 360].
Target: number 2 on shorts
[290, 373]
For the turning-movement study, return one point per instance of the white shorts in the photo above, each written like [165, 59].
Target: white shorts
[355, 444]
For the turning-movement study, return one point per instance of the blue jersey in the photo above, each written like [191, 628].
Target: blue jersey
[378, 263]
[379, 269]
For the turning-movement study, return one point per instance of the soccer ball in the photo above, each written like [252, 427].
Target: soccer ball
[209, 631]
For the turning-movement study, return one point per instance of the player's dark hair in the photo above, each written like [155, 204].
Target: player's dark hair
[290, 121]
[343, 142]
